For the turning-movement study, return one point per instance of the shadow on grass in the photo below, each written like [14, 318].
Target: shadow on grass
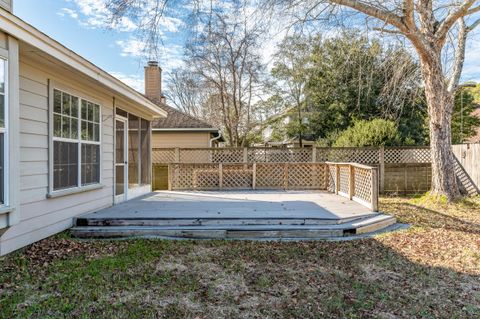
[61, 277]
[425, 217]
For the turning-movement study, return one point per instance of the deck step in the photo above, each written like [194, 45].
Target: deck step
[212, 221]
[239, 231]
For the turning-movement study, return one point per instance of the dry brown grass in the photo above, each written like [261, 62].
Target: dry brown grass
[431, 270]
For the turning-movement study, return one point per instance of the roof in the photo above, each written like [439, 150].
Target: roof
[25, 32]
[180, 121]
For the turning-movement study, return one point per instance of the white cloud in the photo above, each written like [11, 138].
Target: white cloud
[94, 14]
[133, 80]
[170, 56]
[131, 47]
[68, 12]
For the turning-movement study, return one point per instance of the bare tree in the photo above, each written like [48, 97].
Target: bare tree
[223, 54]
[186, 92]
[290, 67]
[428, 26]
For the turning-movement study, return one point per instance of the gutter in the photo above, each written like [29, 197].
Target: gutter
[215, 139]
[205, 129]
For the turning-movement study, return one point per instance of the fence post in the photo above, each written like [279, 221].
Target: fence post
[285, 176]
[245, 154]
[351, 182]
[177, 155]
[170, 168]
[314, 154]
[327, 175]
[337, 178]
[381, 160]
[254, 176]
[374, 189]
[220, 175]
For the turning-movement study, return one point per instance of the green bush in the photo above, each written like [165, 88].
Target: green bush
[370, 133]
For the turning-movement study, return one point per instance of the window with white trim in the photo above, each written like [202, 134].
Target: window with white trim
[3, 131]
[76, 141]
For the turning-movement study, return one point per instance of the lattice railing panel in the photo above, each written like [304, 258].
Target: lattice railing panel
[407, 155]
[237, 176]
[332, 179]
[344, 181]
[163, 155]
[195, 176]
[306, 176]
[279, 155]
[270, 176]
[363, 188]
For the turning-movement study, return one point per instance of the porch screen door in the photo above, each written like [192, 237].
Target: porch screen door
[121, 159]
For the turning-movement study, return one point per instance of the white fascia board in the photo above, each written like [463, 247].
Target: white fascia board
[24, 32]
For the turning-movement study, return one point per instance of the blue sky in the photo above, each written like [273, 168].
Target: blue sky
[78, 24]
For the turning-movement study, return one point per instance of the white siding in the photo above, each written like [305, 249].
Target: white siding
[41, 217]
[6, 4]
[181, 139]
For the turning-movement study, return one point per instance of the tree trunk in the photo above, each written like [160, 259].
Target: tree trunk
[440, 109]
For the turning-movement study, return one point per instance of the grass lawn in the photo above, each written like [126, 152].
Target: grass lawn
[431, 270]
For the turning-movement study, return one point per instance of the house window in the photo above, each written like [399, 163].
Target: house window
[76, 141]
[3, 130]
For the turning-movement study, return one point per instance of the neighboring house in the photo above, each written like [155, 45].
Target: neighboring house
[178, 129]
[273, 131]
[73, 139]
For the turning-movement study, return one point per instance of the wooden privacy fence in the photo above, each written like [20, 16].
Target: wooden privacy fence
[401, 170]
[354, 181]
[367, 155]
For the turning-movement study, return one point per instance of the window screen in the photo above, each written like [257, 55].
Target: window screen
[76, 141]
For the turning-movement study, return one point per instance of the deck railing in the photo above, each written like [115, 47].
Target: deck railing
[354, 181]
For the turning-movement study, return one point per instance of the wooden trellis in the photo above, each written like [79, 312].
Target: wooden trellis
[354, 181]
[366, 155]
[387, 159]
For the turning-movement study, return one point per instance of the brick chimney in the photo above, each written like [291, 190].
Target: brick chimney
[153, 81]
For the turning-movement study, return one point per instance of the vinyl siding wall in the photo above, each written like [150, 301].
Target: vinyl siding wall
[6, 4]
[182, 140]
[40, 216]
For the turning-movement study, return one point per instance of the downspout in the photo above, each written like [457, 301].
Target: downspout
[215, 139]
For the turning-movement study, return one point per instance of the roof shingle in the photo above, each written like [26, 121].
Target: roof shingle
[178, 120]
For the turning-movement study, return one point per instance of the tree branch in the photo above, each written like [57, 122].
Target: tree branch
[473, 10]
[408, 9]
[473, 25]
[368, 9]
[452, 18]
[383, 30]
[459, 56]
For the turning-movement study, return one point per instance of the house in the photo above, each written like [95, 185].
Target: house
[73, 139]
[274, 131]
[178, 129]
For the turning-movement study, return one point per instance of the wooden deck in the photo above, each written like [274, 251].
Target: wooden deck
[233, 214]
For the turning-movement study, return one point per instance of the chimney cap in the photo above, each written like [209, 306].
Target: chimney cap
[152, 63]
